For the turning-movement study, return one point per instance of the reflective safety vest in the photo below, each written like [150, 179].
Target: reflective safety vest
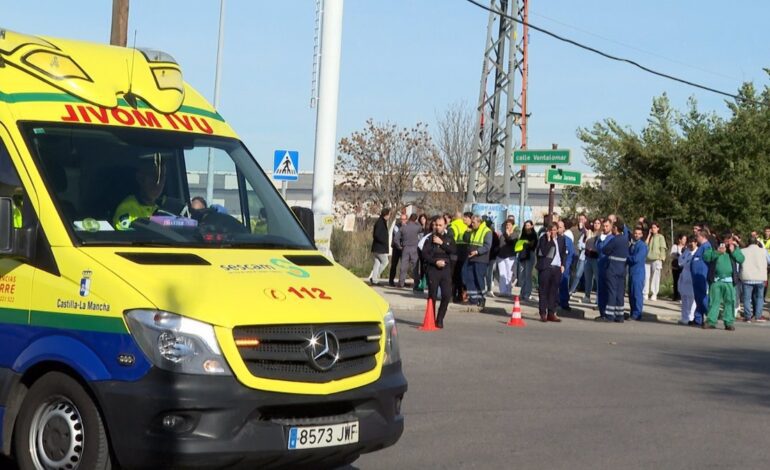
[519, 246]
[477, 236]
[129, 210]
[767, 245]
[18, 220]
[458, 230]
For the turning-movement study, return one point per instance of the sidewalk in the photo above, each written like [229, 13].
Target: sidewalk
[406, 299]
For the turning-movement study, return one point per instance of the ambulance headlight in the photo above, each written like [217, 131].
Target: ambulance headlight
[176, 343]
[392, 351]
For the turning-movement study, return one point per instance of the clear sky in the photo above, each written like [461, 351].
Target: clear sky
[407, 60]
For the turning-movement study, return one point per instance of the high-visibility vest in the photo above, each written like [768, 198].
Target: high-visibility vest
[477, 236]
[18, 221]
[519, 246]
[458, 230]
[767, 245]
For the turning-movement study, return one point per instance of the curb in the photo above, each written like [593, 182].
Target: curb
[528, 311]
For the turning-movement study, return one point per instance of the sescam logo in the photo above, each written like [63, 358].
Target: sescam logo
[276, 265]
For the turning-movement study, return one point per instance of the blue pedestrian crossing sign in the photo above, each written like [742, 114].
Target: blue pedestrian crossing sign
[285, 164]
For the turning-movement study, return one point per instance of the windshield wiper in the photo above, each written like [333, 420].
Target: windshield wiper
[274, 245]
[130, 243]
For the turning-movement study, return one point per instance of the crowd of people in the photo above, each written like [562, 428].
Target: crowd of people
[458, 257]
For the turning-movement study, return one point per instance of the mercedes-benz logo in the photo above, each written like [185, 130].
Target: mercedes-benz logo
[323, 350]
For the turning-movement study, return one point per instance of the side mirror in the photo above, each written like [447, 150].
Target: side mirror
[14, 242]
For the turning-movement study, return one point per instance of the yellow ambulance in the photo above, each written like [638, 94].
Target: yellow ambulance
[141, 330]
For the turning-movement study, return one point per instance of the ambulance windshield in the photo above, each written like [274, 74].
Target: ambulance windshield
[120, 186]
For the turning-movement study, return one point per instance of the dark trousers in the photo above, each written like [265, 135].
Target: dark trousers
[548, 289]
[635, 297]
[393, 264]
[616, 285]
[676, 273]
[457, 278]
[564, 288]
[700, 290]
[440, 278]
[474, 275]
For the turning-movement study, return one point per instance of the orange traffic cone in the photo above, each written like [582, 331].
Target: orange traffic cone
[429, 323]
[516, 319]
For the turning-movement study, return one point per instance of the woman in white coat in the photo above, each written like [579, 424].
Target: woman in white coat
[685, 282]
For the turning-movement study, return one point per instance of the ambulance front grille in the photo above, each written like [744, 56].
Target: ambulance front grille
[283, 350]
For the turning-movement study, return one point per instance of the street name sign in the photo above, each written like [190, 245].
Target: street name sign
[541, 157]
[559, 176]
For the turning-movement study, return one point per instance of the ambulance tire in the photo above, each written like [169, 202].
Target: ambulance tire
[58, 411]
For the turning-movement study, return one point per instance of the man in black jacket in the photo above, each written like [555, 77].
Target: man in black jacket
[551, 259]
[396, 249]
[437, 252]
[380, 247]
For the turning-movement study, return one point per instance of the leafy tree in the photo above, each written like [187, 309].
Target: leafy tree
[687, 166]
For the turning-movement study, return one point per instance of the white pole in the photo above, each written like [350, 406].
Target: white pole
[220, 43]
[326, 119]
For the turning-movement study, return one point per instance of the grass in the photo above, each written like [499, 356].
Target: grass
[353, 251]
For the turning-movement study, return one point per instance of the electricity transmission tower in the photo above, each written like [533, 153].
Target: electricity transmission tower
[502, 108]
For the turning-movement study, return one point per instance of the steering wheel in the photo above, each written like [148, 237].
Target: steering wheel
[209, 220]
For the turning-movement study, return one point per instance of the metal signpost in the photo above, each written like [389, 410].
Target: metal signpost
[553, 157]
[285, 165]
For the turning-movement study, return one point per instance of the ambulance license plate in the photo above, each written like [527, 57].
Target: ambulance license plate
[309, 437]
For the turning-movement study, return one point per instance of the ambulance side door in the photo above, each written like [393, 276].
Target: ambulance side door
[16, 275]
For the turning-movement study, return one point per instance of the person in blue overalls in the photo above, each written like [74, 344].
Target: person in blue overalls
[564, 284]
[601, 265]
[700, 270]
[636, 258]
[616, 251]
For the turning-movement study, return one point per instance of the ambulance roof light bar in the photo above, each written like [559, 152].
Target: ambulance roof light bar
[156, 56]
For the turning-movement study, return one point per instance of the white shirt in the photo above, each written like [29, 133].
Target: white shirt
[557, 258]
[422, 241]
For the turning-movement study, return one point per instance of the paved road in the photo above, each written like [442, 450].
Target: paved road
[580, 395]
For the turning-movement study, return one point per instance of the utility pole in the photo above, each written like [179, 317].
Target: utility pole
[217, 75]
[326, 118]
[551, 192]
[500, 107]
[326, 122]
[119, 32]
[524, 64]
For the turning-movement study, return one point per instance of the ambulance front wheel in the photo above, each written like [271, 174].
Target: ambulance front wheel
[59, 427]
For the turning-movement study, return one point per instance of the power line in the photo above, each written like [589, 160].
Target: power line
[609, 56]
[635, 48]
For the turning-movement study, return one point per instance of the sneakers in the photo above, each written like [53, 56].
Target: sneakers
[707, 326]
[654, 298]
[729, 328]
[760, 320]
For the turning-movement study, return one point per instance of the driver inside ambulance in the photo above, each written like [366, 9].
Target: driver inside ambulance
[150, 181]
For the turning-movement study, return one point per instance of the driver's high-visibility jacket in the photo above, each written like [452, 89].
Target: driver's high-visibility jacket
[129, 210]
